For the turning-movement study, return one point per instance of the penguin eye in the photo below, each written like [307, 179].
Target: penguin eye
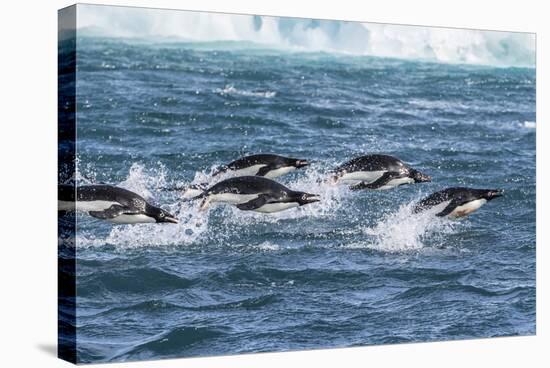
[304, 197]
[161, 215]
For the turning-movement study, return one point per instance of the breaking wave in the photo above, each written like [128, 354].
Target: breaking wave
[385, 40]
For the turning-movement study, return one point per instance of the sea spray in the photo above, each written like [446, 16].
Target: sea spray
[192, 225]
[143, 181]
[404, 230]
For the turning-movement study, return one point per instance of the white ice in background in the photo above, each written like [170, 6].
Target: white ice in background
[448, 45]
[530, 124]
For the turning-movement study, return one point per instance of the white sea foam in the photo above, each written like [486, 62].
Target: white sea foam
[437, 104]
[387, 40]
[405, 231]
[265, 246]
[231, 90]
[530, 124]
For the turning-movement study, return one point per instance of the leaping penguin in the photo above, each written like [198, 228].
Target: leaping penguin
[457, 202]
[255, 193]
[267, 165]
[377, 172]
[111, 203]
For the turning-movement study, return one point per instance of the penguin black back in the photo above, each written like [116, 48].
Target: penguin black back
[101, 192]
[270, 162]
[247, 185]
[373, 162]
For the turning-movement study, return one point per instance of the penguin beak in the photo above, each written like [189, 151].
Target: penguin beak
[420, 177]
[492, 194]
[168, 217]
[301, 163]
[171, 219]
[311, 198]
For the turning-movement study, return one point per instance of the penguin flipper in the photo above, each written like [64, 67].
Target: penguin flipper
[378, 183]
[264, 170]
[112, 212]
[254, 204]
[447, 210]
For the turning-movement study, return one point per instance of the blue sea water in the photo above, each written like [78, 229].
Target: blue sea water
[354, 269]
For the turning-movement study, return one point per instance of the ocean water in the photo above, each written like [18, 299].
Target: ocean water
[354, 269]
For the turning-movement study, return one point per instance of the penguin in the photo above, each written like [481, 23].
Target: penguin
[377, 172]
[267, 165]
[457, 202]
[110, 203]
[255, 193]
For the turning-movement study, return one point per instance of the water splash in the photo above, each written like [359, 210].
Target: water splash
[143, 181]
[191, 227]
[404, 230]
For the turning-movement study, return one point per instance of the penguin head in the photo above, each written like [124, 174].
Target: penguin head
[419, 177]
[304, 198]
[300, 163]
[492, 194]
[161, 215]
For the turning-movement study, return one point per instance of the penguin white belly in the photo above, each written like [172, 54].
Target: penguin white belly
[232, 198]
[87, 206]
[467, 208]
[396, 182]
[191, 192]
[132, 219]
[248, 171]
[360, 176]
[438, 207]
[276, 207]
[279, 172]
